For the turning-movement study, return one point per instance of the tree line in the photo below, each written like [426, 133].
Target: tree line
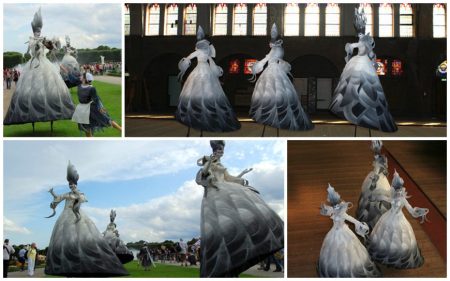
[85, 56]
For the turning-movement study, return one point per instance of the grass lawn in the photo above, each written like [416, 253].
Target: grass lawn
[111, 96]
[163, 270]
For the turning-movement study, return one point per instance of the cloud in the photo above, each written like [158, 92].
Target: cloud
[108, 162]
[172, 216]
[31, 168]
[11, 227]
[177, 215]
[86, 28]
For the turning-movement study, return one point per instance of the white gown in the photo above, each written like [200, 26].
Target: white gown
[342, 254]
[375, 185]
[77, 249]
[275, 101]
[41, 94]
[238, 229]
[359, 96]
[392, 241]
[70, 64]
[203, 105]
[111, 235]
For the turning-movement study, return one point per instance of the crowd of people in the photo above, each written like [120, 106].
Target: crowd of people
[26, 256]
[101, 69]
[10, 75]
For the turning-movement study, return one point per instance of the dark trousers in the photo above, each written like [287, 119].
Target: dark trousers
[271, 259]
[5, 268]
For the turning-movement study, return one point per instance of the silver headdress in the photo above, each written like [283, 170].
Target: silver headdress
[202, 43]
[215, 144]
[274, 32]
[36, 24]
[200, 33]
[397, 181]
[67, 40]
[360, 21]
[112, 216]
[376, 146]
[333, 197]
[72, 174]
[275, 39]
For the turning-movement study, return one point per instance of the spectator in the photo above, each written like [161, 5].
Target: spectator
[183, 252]
[16, 76]
[8, 251]
[32, 255]
[8, 78]
[22, 257]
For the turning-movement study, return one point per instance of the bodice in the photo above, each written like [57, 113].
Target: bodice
[37, 48]
[71, 198]
[338, 219]
[218, 172]
[365, 45]
[203, 56]
[275, 54]
[398, 201]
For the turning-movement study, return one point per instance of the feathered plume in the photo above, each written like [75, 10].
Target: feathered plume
[200, 33]
[360, 21]
[67, 40]
[72, 174]
[397, 181]
[333, 197]
[36, 24]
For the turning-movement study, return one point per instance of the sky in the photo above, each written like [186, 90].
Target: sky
[150, 184]
[88, 25]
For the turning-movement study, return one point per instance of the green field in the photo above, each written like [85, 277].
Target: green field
[164, 270]
[111, 96]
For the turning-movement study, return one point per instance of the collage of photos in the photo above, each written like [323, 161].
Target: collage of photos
[222, 140]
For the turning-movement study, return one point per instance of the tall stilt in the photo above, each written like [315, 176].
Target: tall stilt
[188, 132]
[32, 124]
[356, 127]
[51, 128]
[264, 130]
[370, 132]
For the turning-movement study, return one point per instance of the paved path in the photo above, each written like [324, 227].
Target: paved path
[252, 271]
[109, 79]
[39, 272]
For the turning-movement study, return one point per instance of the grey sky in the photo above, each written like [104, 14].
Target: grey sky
[88, 25]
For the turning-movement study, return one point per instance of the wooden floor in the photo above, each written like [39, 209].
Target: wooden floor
[429, 169]
[143, 127]
[345, 164]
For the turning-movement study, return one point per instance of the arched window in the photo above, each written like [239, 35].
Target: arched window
[332, 20]
[312, 20]
[260, 19]
[171, 26]
[240, 19]
[406, 21]
[190, 20]
[126, 15]
[369, 15]
[291, 20]
[439, 21]
[153, 16]
[385, 27]
[220, 19]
